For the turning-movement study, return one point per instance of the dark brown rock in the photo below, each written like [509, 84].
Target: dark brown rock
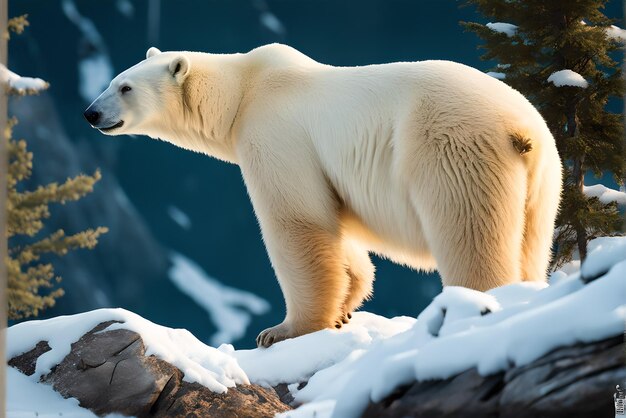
[282, 390]
[27, 362]
[108, 372]
[194, 400]
[576, 381]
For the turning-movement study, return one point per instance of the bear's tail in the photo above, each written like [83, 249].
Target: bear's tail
[521, 143]
[542, 200]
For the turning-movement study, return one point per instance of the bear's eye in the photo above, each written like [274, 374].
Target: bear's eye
[125, 89]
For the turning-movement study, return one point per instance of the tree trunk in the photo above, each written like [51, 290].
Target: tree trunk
[578, 176]
[3, 203]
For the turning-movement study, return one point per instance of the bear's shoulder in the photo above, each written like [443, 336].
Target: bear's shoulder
[277, 55]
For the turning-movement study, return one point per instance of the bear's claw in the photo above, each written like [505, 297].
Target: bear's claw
[345, 318]
[275, 334]
[284, 331]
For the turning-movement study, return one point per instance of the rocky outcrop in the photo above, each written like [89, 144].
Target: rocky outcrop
[108, 372]
[575, 381]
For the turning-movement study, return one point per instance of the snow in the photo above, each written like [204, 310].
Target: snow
[126, 8]
[179, 217]
[613, 32]
[268, 19]
[199, 362]
[616, 33]
[272, 23]
[230, 309]
[296, 360]
[368, 358]
[22, 85]
[609, 251]
[567, 78]
[26, 399]
[499, 76]
[566, 270]
[94, 68]
[507, 28]
[605, 194]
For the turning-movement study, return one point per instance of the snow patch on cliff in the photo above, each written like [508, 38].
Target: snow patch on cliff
[230, 309]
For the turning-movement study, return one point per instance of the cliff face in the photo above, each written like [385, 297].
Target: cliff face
[128, 260]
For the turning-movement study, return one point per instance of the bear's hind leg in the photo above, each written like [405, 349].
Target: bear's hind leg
[542, 205]
[361, 272]
[471, 198]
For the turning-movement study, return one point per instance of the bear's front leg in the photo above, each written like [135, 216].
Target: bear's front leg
[299, 216]
[308, 263]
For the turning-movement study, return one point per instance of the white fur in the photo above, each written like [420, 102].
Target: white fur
[412, 161]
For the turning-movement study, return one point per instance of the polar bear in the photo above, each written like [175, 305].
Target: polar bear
[431, 164]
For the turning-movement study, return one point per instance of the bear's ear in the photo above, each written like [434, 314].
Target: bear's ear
[152, 52]
[179, 68]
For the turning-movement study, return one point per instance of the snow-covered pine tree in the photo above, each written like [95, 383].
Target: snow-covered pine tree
[561, 55]
[28, 276]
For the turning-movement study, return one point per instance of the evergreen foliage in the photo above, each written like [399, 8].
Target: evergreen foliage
[551, 36]
[31, 281]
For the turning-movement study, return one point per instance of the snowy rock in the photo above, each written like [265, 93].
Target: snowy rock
[548, 349]
[576, 381]
[568, 78]
[108, 371]
[464, 332]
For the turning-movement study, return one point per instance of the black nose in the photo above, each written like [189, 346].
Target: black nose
[92, 116]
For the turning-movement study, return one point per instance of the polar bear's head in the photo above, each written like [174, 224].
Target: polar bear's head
[190, 99]
[139, 100]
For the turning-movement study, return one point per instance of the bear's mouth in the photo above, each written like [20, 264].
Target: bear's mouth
[110, 128]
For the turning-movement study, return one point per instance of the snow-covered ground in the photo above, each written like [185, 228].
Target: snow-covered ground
[29, 399]
[26, 399]
[372, 355]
